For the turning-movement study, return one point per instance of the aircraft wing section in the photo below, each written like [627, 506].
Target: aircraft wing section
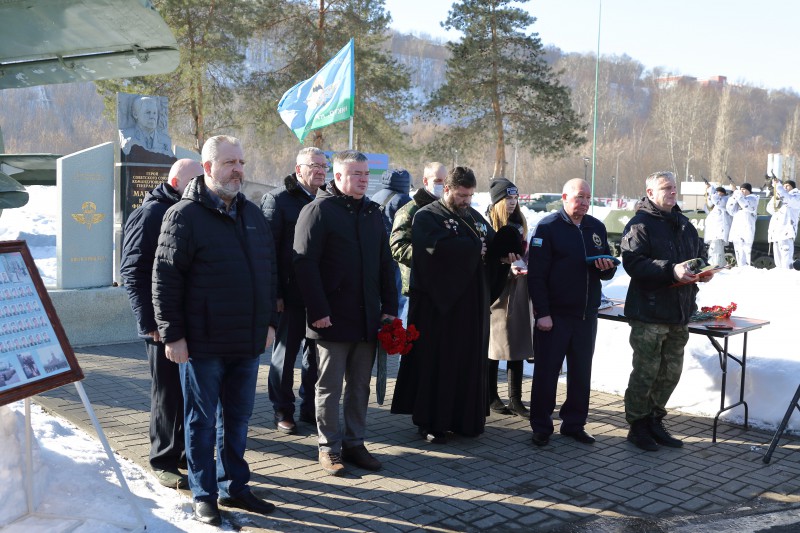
[60, 41]
[30, 169]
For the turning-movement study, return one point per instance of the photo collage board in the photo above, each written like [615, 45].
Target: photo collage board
[35, 354]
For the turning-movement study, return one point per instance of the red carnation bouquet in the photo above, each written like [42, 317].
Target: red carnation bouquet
[395, 339]
[714, 312]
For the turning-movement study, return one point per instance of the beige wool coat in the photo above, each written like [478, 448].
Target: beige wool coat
[511, 322]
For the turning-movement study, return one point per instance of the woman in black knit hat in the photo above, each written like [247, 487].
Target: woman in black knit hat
[511, 337]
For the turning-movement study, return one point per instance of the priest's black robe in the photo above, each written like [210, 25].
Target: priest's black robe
[442, 381]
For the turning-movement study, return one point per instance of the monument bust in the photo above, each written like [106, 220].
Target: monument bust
[145, 132]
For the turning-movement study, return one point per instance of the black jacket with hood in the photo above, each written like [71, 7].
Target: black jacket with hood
[653, 242]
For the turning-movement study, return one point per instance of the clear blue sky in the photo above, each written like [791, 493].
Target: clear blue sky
[757, 42]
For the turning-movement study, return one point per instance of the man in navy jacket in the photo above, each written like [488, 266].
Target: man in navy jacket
[565, 290]
[138, 251]
[281, 208]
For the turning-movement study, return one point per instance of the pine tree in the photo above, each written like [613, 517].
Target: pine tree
[499, 86]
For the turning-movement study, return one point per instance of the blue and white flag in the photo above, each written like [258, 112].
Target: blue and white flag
[325, 98]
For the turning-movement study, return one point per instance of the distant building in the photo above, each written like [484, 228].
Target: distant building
[665, 82]
[714, 81]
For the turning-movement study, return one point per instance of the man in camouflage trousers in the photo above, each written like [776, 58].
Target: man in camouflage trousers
[658, 245]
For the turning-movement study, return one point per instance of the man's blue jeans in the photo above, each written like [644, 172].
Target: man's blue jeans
[212, 386]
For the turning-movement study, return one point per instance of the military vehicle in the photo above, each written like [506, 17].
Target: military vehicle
[538, 201]
[62, 41]
[762, 252]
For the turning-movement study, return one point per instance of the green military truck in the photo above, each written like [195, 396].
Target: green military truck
[762, 252]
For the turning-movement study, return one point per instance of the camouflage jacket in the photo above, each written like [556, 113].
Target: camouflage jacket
[400, 239]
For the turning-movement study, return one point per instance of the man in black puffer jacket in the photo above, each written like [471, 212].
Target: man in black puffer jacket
[138, 252]
[214, 298]
[342, 256]
[281, 207]
[657, 245]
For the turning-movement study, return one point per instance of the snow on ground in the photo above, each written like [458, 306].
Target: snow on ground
[773, 355]
[70, 464]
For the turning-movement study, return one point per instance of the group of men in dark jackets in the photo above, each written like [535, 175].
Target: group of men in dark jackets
[314, 264]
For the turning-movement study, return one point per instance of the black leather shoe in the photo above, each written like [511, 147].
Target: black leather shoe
[434, 437]
[661, 434]
[640, 436]
[540, 439]
[207, 513]
[171, 479]
[518, 408]
[580, 435]
[285, 423]
[248, 502]
[497, 406]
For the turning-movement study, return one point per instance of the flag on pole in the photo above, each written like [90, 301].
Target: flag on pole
[325, 98]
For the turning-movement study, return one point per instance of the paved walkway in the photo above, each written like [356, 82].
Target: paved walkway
[496, 482]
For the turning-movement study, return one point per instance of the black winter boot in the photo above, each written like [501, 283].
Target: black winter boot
[496, 405]
[639, 435]
[660, 434]
[514, 371]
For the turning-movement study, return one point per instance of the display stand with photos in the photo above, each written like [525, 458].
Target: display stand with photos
[35, 356]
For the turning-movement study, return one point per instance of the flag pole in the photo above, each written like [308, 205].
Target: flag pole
[351, 133]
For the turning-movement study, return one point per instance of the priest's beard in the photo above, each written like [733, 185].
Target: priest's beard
[460, 211]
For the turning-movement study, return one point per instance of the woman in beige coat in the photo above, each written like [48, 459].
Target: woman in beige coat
[511, 337]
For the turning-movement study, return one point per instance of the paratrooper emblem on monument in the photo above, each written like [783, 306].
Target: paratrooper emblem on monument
[89, 216]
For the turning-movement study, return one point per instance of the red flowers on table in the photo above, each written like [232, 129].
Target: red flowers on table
[720, 312]
[395, 339]
[713, 311]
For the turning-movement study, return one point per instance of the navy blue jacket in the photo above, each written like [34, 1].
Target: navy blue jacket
[214, 277]
[138, 251]
[560, 281]
[281, 208]
[395, 188]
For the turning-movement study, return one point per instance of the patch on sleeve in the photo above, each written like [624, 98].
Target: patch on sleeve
[536, 241]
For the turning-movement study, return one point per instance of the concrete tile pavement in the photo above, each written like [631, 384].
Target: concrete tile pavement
[497, 482]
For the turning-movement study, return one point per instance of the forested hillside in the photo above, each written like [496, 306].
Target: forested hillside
[643, 125]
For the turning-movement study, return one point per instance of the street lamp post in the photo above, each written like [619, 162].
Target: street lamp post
[616, 175]
[586, 169]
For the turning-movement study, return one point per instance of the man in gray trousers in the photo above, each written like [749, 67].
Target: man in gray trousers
[342, 254]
